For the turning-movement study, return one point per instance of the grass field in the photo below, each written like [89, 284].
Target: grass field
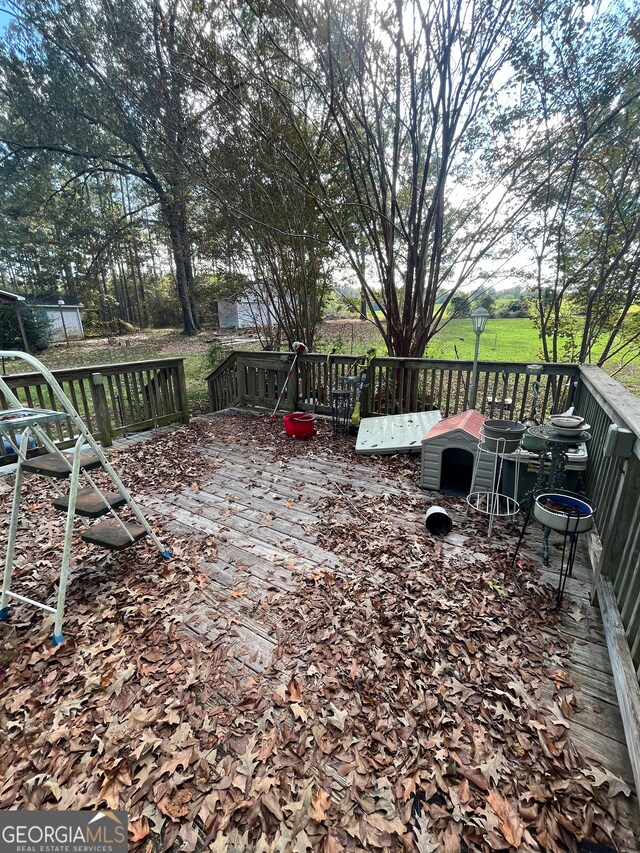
[502, 340]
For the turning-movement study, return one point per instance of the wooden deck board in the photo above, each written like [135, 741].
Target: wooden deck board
[260, 514]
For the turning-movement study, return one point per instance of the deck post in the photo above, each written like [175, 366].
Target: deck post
[182, 391]
[367, 391]
[101, 408]
[242, 381]
[293, 388]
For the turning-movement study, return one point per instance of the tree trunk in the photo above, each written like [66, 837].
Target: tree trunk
[144, 312]
[184, 273]
[188, 263]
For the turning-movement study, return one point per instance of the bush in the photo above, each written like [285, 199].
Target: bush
[163, 305]
[515, 308]
[216, 354]
[97, 328]
[37, 326]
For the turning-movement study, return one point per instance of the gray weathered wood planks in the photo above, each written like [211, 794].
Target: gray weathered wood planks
[260, 517]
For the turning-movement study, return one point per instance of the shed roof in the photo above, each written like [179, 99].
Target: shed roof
[470, 421]
[10, 298]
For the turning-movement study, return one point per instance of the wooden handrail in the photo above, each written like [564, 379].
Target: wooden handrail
[112, 399]
[546, 369]
[224, 365]
[619, 403]
[613, 484]
[222, 384]
[65, 373]
[394, 385]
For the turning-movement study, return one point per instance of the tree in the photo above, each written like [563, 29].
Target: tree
[460, 306]
[283, 235]
[583, 225]
[36, 324]
[108, 87]
[486, 300]
[66, 236]
[399, 94]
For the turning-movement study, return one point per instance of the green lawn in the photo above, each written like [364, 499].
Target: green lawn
[502, 340]
[509, 340]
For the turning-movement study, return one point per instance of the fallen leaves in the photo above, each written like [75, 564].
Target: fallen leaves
[614, 783]
[176, 805]
[509, 823]
[138, 829]
[402, 709]
[336, 718]
[320, 804]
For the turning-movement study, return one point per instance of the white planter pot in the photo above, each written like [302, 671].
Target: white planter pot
[564, 521]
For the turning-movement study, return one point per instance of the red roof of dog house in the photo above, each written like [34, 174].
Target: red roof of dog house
[470, 421]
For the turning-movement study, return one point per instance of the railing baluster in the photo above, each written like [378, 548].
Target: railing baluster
[124, 407]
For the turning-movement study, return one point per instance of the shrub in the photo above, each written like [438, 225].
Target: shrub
[97, 328]
[37, 326]
[216, 354]
[515, 308]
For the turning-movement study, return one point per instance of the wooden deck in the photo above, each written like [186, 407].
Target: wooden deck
[260, 519]
[256, 520]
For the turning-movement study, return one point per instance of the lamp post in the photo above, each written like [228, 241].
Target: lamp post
[64, 325]
[479, 319]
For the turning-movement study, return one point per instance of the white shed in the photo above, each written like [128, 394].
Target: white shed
[66, 321]
[243, 314]
[449, 451]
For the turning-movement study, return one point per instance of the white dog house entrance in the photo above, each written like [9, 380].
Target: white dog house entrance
[449, 452]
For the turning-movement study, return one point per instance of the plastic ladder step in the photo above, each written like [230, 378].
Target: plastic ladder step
[51, 465]
[90, 503]
[111, 535]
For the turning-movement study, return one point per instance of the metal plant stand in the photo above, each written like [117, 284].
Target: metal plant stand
[569, 533]
[553, 456]
[494, 504]
[340, 410]
[23, 427]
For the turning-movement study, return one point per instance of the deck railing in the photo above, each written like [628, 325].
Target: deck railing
[504, 389]
[112, 399]
[393, 385]
[613, 483]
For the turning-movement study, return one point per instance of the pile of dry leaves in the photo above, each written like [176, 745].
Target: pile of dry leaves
[403, 708]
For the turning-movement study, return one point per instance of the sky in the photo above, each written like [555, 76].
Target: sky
[5, 17]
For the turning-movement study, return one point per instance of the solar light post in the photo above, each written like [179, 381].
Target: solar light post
[479, 319]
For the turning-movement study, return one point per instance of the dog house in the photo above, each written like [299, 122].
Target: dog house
[449, 451]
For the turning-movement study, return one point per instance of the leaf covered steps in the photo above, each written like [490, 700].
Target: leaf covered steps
[112, 535]
[51, 465]
[90, 503]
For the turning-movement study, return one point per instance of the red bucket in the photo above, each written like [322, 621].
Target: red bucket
[300, 425]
